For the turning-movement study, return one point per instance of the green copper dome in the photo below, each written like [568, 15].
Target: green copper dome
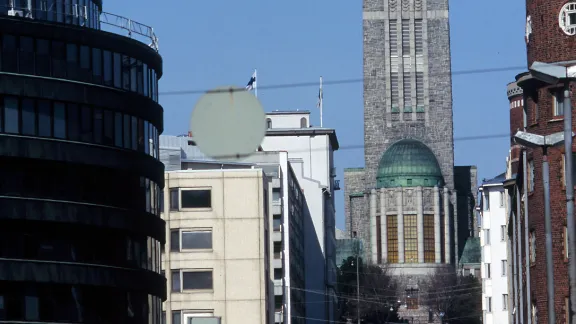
[408, 163]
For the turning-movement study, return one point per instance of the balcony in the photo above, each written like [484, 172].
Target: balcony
[90, 16]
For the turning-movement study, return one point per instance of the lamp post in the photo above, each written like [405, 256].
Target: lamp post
[545, 142]
[554, 74]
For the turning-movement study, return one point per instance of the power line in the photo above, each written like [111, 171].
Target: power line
[336, 82]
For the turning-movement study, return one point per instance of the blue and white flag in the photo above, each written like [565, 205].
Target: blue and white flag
[252, 83]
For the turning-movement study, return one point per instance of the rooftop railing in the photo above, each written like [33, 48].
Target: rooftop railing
[74, 14]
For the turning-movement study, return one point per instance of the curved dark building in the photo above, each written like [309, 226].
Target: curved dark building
[80, 231]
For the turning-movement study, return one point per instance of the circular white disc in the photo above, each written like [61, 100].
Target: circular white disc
[227, 123]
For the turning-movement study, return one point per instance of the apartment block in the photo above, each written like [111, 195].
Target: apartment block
[217, 257]
[494, 242]
[288, 214]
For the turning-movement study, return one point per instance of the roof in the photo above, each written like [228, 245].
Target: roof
[499, 179]
[408, 163]
[472, 252]
[310, 131]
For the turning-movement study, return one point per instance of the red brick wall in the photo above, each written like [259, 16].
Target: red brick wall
[548, 43]
[542, 122]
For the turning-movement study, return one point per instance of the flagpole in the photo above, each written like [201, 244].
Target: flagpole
[255, 84]
[321, 101]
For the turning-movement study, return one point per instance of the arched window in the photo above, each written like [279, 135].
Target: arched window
[303, 123]
[268, 123]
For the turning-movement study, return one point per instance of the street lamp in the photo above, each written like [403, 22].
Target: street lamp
[554, 74]
[544, 142]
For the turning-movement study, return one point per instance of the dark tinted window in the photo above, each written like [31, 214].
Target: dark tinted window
[192, 280]
[197, 240]
[86, 124]
[125, 72]
[174, 240]
[176, 317]
[26, 59]
[196, 199]
[126, 131]
[98, 125]
[44, 118]
[59, 60]
[174, 199]
[117, 70]
[43, 57]
[11, 115]
[59, 120]
[28, 117]
[108, 128]
[133, 75]
[73, 122]
[86, 74]
[72, 61]
[97, 65]
[176, 280]
[108, 68]
[9, 54]
[118, 129]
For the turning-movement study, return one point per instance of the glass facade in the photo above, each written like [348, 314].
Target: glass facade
[73, 12]
[77, 62]
[74, 122]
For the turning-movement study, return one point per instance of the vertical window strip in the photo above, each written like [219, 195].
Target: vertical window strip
[429, 244]
[418, 37]
[405, 37]
[395, 91]
[393, 34]
[392, 234]
[407, 92]
[410, 239]
[420, 89]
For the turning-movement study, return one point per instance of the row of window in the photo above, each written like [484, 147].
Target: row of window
[83, 123]
[73, 12]
[78, 246]
[27, 55]
[504, 303]
[410, 239]
[34, 302]
[503, 269]
[65, 182]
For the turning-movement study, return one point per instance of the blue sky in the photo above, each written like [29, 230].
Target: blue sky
[206, 44]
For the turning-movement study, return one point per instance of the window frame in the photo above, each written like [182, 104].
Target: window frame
[558, 103]
[504, 270]
[201, 208]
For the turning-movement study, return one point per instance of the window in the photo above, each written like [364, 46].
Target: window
[412, 299]
[429, 244]
[125, 72]
[117, 64]
[97, 65]
[303, 123]
[278, 303]
[9, 54]
[277, 274]
[394, 89]
[407, 94]
[72, 65]
[392, 232]
[85, 73]
[98, 125]
[59, 120]
[176, 283]
[197, 280]
[531, 175]
[43, 57]
[487, 237]
[501, 195]
[126, 130]
[488, 275]
[86, 124]
[277, 250]
[268, 123]
[405, 37]
[558, 102]
[504, 301]
[489, 304]
[73, 121]
[28, 117]
[44, 118]
[486, 201]
[118, 134]
[532, 240]
[565, 243]
[108, 68]
[502, 232]
[197, 239]
[174, 202]
[196, 198]
[277, 222]
[26, 55]
[410, 239]
[504, 267]
[420, 90]
[11, 115]
[418, 36]
[175, 240]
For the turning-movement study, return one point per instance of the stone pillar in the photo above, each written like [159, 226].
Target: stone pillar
[373, 250]
[437, 232]
[383, 226]
[399, 206]
[420, 224]
[447, 236]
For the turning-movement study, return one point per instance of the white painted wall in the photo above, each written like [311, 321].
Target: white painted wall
[494, 251]
[289, 119]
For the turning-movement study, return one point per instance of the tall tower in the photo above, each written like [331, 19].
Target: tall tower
[407, 80]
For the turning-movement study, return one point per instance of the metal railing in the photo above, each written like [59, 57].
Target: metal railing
[79, 16]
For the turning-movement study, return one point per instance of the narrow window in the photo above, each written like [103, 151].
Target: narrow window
[196, 198]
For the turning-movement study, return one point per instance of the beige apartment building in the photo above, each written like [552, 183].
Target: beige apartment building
[217, 253]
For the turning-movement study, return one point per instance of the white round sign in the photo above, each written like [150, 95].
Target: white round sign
[228, 123]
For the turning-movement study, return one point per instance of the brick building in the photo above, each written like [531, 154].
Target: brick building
[550, 38]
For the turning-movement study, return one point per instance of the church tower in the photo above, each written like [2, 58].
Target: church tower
[403, 203]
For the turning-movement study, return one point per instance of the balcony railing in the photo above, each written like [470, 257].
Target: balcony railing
[74, 14]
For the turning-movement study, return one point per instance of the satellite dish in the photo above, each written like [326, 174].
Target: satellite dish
[228, 123]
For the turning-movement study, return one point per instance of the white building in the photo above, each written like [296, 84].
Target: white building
[288, 215]
[311, 154]
[216, 272]
[493, 238]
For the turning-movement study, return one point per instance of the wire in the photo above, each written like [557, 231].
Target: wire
[334, 82]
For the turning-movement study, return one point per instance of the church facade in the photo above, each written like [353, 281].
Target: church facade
[412, 209]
